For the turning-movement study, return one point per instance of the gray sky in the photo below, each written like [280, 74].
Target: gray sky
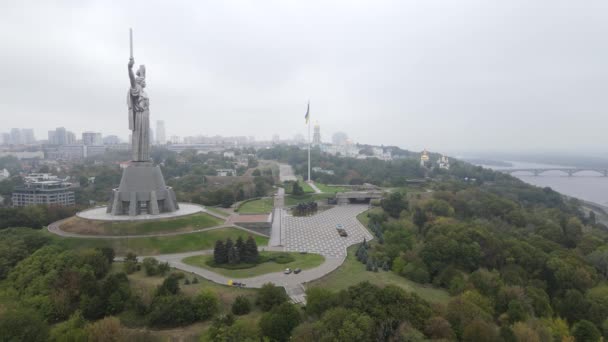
[445, 75]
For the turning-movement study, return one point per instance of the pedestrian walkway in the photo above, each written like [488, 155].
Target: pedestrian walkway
[314, 187]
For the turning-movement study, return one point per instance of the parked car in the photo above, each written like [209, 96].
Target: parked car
[297, 270]
[287, 271]
[342, 232]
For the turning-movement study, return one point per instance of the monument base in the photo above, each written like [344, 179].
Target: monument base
[142, 191]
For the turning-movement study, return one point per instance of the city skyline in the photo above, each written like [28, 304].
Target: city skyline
[433, 75]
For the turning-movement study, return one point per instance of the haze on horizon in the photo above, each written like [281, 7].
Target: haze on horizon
[443, 75]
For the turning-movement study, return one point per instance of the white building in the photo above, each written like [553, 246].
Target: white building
[226, 172]
[444, 162]
[92, 138]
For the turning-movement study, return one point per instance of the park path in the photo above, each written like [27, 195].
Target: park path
[289, 281]
[286, 173]
[314, 187]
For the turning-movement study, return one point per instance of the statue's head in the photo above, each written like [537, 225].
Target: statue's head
[141, 76]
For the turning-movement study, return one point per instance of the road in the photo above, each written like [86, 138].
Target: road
[286, 173]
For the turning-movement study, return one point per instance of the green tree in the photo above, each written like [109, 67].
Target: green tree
[319, 300]
[150, 266]
[220, 255]
[343, 325]
[394, 204]
[21, 324]
[170, 285]
[270, 296]
[206, 305]
[130, 263]
[241, 306]
[585, 331]
[278, 323]
[72, 330]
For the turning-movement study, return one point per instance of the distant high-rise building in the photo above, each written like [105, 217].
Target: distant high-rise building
[5, 138]
[70, 138]
[16, 136]
[339, 138]
[316, 136]
[52, 137]
[27, 136]
[91, 139]
[276, 138]
[160, 132]
[111, 140]
[61, 136]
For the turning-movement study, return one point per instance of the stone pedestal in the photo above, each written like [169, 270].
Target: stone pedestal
[142, 191]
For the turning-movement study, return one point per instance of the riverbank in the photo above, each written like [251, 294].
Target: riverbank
[601, 212]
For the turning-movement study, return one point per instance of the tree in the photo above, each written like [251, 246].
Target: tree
[585, 331]
[241, 306]
[150, 266]
[439, 328]
[343, 325]
[171, 311]
[206, 304]
[170, 285]
[480, 331]
[419, 218]
[296, 189]
[108, 252]
[278, 323]
[270, 296]
[220, 255]
[72, 330]
[319, 300]
[240, 246]
[394, 204]
[105, 330]
[130, 263]
[21, 324]
[251, 253]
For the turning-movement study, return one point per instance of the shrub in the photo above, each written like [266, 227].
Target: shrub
[206, 304]
[150, 266]
[241, 306]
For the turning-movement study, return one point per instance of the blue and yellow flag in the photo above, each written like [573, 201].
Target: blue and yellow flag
[307, 116]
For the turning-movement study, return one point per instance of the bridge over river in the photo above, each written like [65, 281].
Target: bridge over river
[570, 171]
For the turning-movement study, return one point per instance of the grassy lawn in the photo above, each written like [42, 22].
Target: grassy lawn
[294, 200]
[146, 285]
[305, 186]
[258, 206]
[331, 189]
[182, 224]
[363, 216]
[303, 261]
[218, 211]
[353, 272]
[159, 245]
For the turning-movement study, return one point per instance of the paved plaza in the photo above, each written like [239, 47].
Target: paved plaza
[318, 233]
[100, 213]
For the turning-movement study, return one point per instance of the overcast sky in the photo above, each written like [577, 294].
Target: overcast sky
[445, 75]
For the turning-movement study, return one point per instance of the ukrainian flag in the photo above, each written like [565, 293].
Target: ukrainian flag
[307, 116]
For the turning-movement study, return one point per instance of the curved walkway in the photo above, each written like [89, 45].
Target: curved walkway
[277, 278]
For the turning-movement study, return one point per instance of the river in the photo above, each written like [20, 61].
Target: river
[586, 185]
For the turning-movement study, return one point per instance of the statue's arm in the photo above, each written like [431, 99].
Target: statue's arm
[131, 75]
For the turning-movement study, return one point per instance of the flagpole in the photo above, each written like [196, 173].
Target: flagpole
[309, 143]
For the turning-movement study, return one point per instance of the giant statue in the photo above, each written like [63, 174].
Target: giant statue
[139, 114]
[142, 189]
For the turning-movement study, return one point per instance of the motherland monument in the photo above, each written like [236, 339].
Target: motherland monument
[142, 189]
